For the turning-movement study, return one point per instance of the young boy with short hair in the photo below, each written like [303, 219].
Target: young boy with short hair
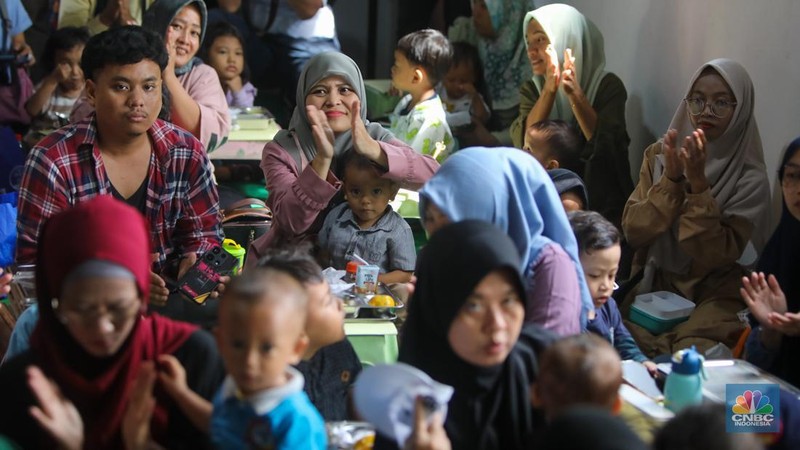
[261, 403]
[367, 226]
[554, 143]
[600, 252]
[330, 364]
[421, 60]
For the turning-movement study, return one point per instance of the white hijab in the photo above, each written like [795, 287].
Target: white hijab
[734, 167]
[567, 28]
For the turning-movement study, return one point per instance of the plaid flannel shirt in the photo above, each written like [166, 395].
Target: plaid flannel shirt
[66, 168]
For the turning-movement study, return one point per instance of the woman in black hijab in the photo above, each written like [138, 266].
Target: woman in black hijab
[464, 329]
[773, 294]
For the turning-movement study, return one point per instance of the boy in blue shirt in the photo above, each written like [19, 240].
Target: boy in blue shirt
[261, 403]
[599, 246]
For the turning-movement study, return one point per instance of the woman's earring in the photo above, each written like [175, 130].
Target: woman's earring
[54, 303]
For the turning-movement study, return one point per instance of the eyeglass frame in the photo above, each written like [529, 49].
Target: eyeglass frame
[789, 181]
[710, 105]
[88, 318]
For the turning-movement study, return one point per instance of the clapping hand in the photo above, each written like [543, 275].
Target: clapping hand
[172, 52]
[363, 143]
[764, 297]
[54, 412]
[321, 131]
[673, 165]
[141, 403]
[552, 74]
[693, 156]
[569, 77]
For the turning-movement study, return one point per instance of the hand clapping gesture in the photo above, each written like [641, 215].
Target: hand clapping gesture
[321, 131]
[172, 52]
[363, 143]
[324, 138]
[693, 156]
[673, 165]
[54, 412]
[569, 77]
[767, 303]
[136, 423]
[689, 160]
[552, 75]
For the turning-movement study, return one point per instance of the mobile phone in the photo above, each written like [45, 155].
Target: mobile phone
[200, 280]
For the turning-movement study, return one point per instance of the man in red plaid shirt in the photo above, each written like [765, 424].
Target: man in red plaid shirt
[127, 152]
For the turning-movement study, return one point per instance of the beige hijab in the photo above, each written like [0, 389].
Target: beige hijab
[734, 167]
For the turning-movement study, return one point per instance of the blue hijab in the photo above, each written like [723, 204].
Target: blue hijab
[510, 189]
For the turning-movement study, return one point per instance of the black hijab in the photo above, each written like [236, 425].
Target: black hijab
[490, 408]
[781, 257]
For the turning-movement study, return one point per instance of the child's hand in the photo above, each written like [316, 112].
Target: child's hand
[235, 84]
[136, 423]
[61, 73]
[651, 367]
[469, 88]
[171, 375]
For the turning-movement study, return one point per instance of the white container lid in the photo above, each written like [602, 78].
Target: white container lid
[664, 305]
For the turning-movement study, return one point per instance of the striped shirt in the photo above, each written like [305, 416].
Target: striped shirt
[66, 168]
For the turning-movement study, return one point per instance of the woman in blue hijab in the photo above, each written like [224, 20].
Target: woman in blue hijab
[510, 189]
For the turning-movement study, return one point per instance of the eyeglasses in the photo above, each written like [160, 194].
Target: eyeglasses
[117, 314]
[719, 108]
[790, 179]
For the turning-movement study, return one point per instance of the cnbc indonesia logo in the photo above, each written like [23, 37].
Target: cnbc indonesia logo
[752, 409]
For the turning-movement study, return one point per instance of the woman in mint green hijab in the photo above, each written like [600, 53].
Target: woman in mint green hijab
[565, 50]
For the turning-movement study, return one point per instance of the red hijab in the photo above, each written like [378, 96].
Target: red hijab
[107, 230]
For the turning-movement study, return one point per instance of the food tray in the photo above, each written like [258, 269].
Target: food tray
[357, 307]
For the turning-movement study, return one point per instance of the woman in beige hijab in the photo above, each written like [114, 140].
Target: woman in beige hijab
[701, 202]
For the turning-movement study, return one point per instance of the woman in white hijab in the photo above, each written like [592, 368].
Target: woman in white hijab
[700, 203]
[567, 56]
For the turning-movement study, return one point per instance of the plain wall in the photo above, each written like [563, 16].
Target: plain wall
[655, 46]
[353, 27]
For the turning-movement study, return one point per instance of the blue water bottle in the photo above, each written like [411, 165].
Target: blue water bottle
[684, 385]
